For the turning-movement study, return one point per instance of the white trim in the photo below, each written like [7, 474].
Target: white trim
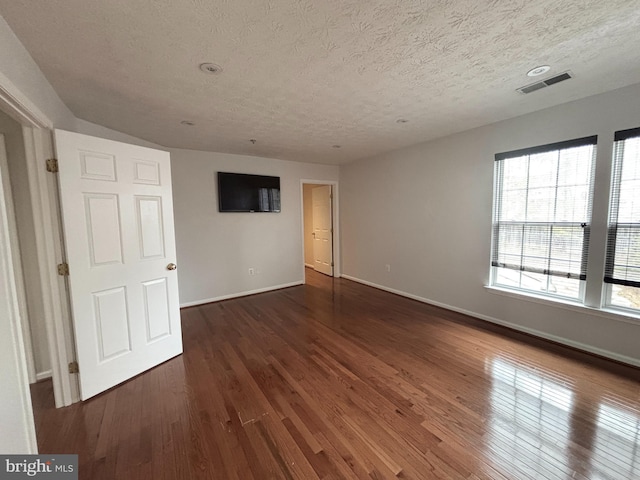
[10, 312]
[240, 294]
[600, 191]
[15, 104]
[47, 228]
[17, 264]
[566, 304]
[43, 375]
[537, 333]
[335, 220]
[36, 128]
[63, 319]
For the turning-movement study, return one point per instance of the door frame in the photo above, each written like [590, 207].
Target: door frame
[23, 430]
[17, 264]
[37, 132]
[335, 220]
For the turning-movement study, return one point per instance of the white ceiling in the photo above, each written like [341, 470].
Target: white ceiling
[301, 75]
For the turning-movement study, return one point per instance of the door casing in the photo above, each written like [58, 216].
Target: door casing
[322, 228]
[37, 132]
[337, 264]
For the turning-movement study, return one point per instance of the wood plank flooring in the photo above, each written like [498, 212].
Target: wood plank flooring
[336, 380]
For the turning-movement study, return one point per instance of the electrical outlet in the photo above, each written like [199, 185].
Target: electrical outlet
[388, 267]
[252, 271]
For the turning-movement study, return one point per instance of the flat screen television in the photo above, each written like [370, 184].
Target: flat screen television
[239, 192]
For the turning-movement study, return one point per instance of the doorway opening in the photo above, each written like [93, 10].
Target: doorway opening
[320, 226]
[28, 248]
[31, 196]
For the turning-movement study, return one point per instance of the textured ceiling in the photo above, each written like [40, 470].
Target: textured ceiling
[301, 76]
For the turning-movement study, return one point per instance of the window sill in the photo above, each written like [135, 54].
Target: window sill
[609, 313]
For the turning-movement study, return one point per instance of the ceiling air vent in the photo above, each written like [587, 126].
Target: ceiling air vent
[545, 83]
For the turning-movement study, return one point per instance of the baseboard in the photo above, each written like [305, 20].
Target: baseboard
[240, 294]
[536, 333]
[43, 375]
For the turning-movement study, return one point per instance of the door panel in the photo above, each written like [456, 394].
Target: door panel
[97, 167]
[146, 172]
[110, 311]
[118, 223]
[150, 229]
[103, 224]
[156, 309]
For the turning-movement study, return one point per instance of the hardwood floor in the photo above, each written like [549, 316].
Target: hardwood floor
[338, 380]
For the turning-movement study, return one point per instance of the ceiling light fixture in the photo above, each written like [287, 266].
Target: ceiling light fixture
[540, 70]
[402, 120]
[253, 140]
[336, 146]
[210, 68]
[188, 123]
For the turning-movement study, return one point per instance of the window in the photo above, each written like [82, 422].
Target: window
[542, 212]
[622, 268]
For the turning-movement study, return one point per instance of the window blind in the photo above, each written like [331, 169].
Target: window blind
[542, 208]
[622, 265]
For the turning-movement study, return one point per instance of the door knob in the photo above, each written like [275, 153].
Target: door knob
[172, 266]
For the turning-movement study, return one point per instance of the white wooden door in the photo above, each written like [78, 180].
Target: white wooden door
[117, 216]
[322, 229]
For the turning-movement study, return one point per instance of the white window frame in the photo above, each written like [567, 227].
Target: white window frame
[621, 135]
[580, 300]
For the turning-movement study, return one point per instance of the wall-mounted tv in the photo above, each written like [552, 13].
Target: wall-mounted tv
[239, 192]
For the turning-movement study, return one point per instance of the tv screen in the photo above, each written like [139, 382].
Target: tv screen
[239, 192]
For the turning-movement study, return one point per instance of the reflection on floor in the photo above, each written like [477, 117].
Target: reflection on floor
[541, 427]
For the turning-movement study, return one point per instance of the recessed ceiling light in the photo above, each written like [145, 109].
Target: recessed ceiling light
[336, 146]
[540, 70]
[188, 123]
[210, 68]
[402, 120]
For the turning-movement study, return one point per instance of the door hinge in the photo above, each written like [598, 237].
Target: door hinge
[332, 264]
[52, 165]
[63, 269]
[74, 368]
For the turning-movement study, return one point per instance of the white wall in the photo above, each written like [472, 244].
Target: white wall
[27, 242]
[215, 250]
[88, 128]
[426, 211]
[22, 71]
